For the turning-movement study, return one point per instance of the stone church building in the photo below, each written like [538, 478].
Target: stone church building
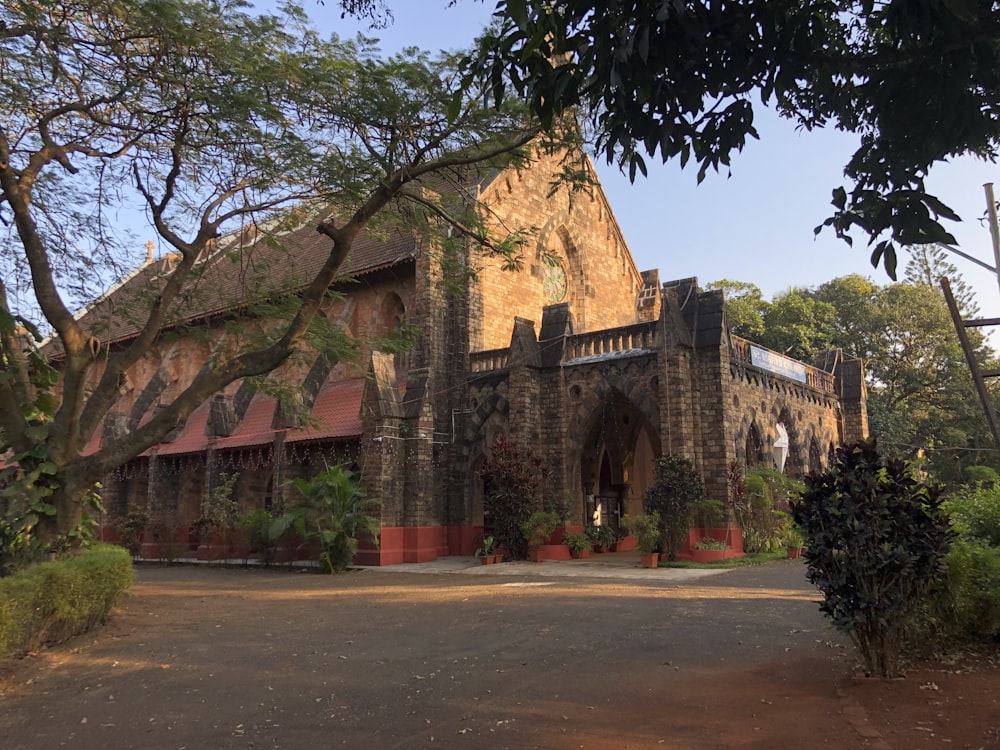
[598, 367]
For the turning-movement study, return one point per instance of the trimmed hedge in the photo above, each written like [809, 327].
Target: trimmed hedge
[53, 601]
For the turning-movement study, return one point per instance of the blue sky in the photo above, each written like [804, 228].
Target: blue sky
[755, 224]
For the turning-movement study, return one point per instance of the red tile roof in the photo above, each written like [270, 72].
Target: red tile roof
[255, 428]
[337, 410]
[192, 437]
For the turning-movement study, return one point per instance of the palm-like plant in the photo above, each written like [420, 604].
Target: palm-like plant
[331, 508]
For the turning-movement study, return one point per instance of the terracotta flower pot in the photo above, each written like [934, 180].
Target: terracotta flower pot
[649, 559]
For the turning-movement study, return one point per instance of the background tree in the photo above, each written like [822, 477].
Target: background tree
[854, 329]
[745, 307]
[921, 401]
[914, 79]
[208, 119]
[798, 324]
[925, 267]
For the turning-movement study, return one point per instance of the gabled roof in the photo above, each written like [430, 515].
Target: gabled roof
[237, 274]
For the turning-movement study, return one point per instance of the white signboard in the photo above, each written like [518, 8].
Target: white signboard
[777, 363]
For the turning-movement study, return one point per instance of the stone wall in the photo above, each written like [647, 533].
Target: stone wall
[578, 233]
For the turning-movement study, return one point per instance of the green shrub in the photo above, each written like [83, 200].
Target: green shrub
[676, 490]
[876, 538]
[538, 527]
[577, 541]
[965, 605]
[601, 537]
[511, 477]
[981, 475]
[760, 505]
[52, 601]
[710, 514]
[332, 509]
[561, 506]
[975, 513]
[257, 525]
[15, 550]
[131, 528]
[646, 530]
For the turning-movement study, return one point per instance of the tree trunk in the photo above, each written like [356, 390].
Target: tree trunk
[68, 499]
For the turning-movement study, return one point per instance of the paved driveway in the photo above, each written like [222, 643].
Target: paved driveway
[205, 657]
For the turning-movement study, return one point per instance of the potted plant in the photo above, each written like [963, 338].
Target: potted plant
[646, 530]
[537, 529]
[794, 540]
[601, 537]
[579, 544]
[487, 554]
[709, 549]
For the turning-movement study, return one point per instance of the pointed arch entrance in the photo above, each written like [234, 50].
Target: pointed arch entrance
[617, 459]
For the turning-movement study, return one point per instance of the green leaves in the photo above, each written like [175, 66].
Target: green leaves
[213, 122]
[676, 490]
[875, 537]
[331, 508]
[915, 81]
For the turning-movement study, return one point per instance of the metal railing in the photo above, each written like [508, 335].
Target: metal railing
[815, 378]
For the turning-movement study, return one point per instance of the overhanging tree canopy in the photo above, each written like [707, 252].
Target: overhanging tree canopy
[208, 119]
[917, 80]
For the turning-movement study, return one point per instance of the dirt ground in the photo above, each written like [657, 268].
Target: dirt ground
[214, 658]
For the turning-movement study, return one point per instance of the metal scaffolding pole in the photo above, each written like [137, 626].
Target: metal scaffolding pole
[970, 357]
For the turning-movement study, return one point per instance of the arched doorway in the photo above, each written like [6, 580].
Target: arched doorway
[617, 461]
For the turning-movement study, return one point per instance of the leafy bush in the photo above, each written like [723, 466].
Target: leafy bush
[15, 551]
[577, 541]
[52, 601]
[981, 475]
[965, 605]
[676, 490]
[759, 503]
[602, 536]
[561, 506]
[487, 547]
[646, 530]
[876, 538]
[511, 478]
[710, 514]
[710, 543]
[791, 534]
[257, 525]
[131, 528]
[220, 511]
[975, 513]
[538, 527]
[332, 509]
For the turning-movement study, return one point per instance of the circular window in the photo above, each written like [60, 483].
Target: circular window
[554, 282]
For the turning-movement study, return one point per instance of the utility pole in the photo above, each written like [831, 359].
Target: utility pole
[991, 211]
[978, 376]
